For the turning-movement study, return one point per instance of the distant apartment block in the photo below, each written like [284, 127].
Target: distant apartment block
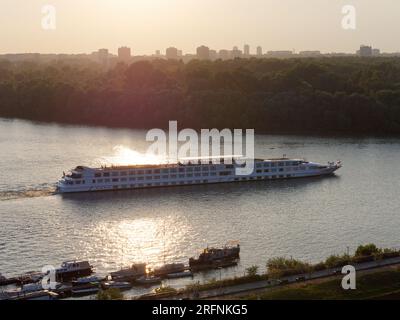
[246, 50]
[365, 51]
[310, 53]
[376, 52]
[224, 54]
[259, 51]
[124, 54]
[189, 57]
[102, 57]
[236, 53]
[280, 54]
[203, 53]
[213, 55]
[171, 53]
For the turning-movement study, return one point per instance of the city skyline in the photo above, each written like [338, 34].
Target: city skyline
[147, 26]
[174, 52]
[125, 54]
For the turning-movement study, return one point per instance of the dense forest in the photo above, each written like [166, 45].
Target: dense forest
[344, 95]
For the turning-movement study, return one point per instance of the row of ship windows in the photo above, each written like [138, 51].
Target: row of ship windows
[191, 169]
[174, 183]
[174, 176]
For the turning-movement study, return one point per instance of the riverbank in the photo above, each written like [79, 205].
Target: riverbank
[382, 283]
[269, 95]
[372, 282]
[283, 272]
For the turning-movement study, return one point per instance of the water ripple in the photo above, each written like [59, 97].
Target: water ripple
[39, 191]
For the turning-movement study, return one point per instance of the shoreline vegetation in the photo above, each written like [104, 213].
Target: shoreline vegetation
[334, 96]
[379, 284]
[283, 267]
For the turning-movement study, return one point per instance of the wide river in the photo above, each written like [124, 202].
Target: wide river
[307, 219]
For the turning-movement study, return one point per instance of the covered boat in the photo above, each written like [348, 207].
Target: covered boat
[216, 257]
[73, 269]
[133, 272]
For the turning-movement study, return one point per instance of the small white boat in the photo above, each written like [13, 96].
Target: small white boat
[121, 285]
[145, 280]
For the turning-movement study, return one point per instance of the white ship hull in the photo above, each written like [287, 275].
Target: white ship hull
[85, 179]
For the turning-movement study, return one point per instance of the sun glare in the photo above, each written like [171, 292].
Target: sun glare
[126, 156]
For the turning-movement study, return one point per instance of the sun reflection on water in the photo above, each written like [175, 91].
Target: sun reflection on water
[146, 240]
[123, 155]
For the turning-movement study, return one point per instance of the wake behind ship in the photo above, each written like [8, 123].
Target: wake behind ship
[193, 172]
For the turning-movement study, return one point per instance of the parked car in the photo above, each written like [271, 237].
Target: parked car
[302, 278]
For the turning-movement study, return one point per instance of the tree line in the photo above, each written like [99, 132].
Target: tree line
[343, 95]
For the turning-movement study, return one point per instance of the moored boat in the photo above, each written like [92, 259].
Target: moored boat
[7, 281]
[85, 286]
[86, 280]
[177, 275]
[133, 272]
[169, 268]
[29, 277]
[73, 269]
[85, 290]
[38, 295]
[148, 280]
[31, 287]
[121, 285]
[215, 257]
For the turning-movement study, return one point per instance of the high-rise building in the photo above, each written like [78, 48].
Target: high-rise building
[236, 53]
[224, 54]
[280, 54]
[259, 51]
[246, 50]
[376, 52]
[102, 57]
[171, 53]
[365, 51]
[310, 53]
[124, 54]
[213, 55]
[203, 53]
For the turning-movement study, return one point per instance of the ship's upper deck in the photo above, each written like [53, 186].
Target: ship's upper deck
[188, 162]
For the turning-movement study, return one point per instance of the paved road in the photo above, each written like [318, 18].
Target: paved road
[291, 279]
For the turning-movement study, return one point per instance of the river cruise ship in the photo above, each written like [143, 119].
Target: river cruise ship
[192, 172]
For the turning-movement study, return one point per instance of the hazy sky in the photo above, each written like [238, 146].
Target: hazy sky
[148, 25]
